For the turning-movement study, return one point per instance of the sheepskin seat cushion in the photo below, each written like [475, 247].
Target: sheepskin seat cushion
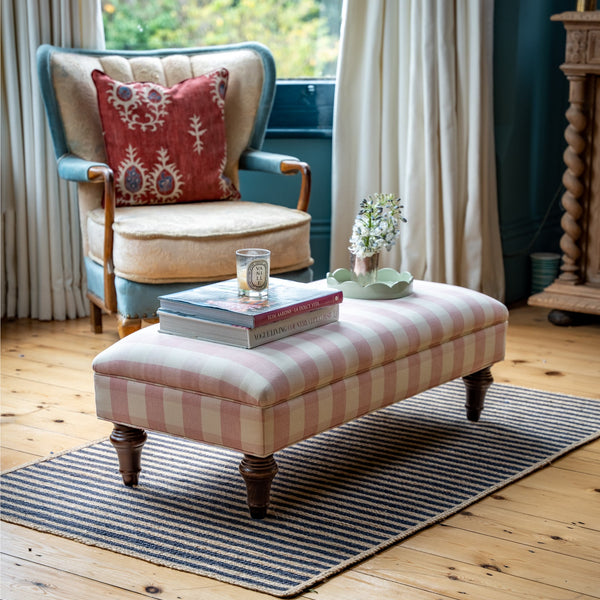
[197, 241]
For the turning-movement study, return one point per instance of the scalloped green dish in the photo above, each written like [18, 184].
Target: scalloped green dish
[390, 284]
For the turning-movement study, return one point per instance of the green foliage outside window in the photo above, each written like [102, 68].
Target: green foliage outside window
[303, 35]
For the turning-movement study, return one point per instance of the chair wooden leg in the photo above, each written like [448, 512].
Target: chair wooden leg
[128, 442]
[95, 318]
[258, 473]
[477, 385]
[127, 326]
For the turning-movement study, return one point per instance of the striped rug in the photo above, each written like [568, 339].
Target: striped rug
[338, 497]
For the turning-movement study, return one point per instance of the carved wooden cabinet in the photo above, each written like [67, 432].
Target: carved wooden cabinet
[577, 288]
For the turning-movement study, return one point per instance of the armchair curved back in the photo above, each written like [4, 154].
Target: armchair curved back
[71, 102]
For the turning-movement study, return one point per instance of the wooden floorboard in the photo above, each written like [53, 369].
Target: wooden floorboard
[537, 538]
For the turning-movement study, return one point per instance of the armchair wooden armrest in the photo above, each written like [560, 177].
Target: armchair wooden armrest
[269, 162]
[105, 175]
[74, 168]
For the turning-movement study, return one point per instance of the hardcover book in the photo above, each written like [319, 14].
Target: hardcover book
[245, 337]
[220, 302]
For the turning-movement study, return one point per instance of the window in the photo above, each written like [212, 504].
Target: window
[303, 35]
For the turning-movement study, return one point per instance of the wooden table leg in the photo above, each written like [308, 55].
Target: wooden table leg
[258, 473]
[128, 442]
[477, 385]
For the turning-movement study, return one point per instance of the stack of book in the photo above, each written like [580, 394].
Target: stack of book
[216, 313]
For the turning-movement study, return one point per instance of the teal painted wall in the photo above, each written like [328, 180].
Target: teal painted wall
[284, 190]
[530, 99]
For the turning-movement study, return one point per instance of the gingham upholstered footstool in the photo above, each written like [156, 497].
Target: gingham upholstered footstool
[261, 400]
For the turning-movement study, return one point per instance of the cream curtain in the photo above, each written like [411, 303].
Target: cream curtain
[42, 265]
[414, 117]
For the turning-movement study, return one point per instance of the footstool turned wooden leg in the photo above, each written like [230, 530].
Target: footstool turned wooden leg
[477, 385]
[258, 473]
[128, 442]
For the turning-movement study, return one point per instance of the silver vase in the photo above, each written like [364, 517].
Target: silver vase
[364, 268]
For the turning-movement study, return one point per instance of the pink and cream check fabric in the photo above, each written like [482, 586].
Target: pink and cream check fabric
[261, 400]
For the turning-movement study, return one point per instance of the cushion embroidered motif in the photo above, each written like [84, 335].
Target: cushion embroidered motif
[166, 145]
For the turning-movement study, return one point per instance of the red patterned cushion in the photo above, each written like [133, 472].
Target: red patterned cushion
[166, 145]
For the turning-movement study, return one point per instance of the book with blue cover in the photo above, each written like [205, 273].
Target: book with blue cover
[245, 337]
[220, 302]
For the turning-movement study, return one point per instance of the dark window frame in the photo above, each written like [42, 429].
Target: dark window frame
[303, 108]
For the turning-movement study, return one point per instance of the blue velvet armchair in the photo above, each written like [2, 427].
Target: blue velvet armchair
[133, 254]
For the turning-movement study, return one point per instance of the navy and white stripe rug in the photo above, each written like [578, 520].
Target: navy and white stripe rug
[338, 498]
